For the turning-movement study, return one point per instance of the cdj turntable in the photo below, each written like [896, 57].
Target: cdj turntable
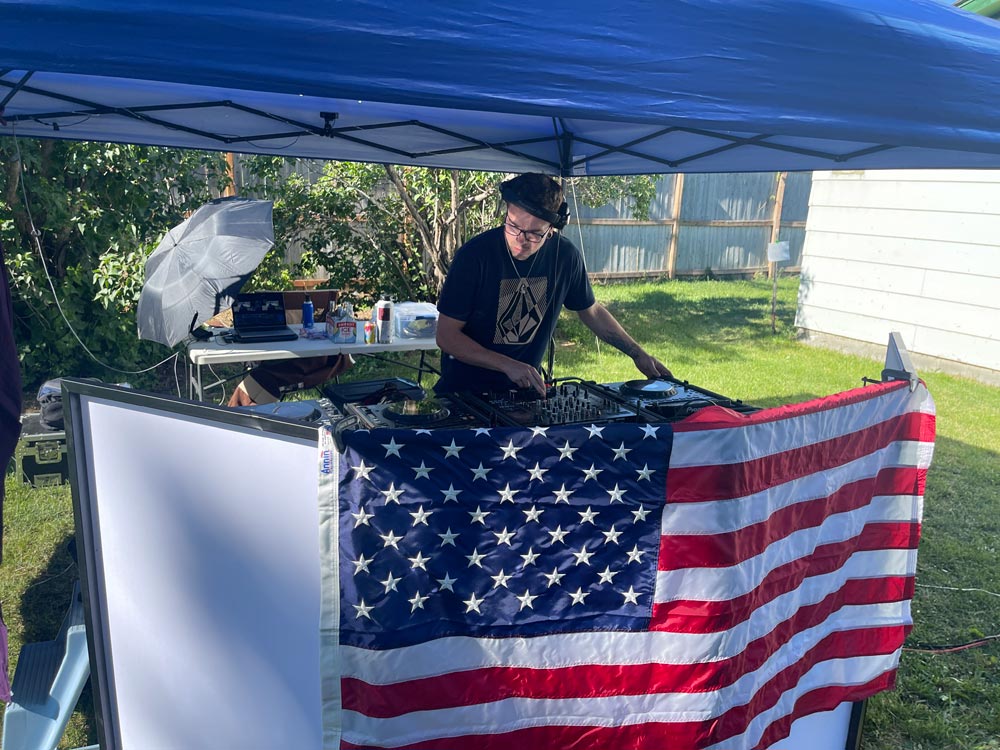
[672, 400]
[312, 411]
[430, 413]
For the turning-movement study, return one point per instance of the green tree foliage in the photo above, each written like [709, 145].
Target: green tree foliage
[637, 190]
[100, 209]
[374, 228]
[377, 228]
[95, 211]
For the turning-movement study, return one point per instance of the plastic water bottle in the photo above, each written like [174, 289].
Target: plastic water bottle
[308, 319]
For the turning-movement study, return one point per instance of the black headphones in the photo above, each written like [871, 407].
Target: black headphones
[510, 193]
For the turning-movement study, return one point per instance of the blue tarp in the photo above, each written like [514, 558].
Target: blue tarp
[571, 86]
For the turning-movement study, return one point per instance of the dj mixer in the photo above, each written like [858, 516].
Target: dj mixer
[567, 401]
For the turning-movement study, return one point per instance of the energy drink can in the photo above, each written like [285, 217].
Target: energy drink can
[384, 322]
[370, 333]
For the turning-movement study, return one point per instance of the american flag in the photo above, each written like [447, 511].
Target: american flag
[622, 586]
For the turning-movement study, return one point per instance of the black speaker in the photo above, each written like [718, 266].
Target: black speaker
[510, 193]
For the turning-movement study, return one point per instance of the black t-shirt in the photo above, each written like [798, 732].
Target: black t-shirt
[513, 312]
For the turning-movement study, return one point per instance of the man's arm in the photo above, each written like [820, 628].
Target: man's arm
[451, 339]
[607, 329]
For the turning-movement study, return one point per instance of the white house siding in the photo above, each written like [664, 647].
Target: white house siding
[914, 251]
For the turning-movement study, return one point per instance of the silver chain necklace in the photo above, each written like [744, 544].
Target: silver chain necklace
[522, 281]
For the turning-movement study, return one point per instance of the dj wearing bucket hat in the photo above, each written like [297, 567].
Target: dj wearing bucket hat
[504, 292]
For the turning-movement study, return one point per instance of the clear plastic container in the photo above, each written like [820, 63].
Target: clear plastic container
[415, 320]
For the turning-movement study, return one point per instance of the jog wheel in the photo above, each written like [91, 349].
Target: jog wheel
[304, 411]
[424, 413]
[652, 389]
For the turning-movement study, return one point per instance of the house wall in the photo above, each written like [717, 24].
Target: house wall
[914, 251]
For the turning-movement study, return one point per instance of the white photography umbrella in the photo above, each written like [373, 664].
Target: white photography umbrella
[200, 265]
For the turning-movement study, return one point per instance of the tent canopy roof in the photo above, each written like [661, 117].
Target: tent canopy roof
[566, 86]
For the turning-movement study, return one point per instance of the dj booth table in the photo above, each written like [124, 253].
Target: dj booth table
[726, 580]
[217, 351]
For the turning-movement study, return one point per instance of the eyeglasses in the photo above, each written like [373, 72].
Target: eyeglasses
[529, 234]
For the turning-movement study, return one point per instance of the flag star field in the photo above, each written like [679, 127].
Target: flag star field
[500, 532]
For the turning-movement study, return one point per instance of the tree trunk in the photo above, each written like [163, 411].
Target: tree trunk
[12, 197]
[431, 267]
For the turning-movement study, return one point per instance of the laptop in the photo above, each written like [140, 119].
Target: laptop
[259, 318]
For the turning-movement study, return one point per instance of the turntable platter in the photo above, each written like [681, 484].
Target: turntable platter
[428, 411]
[653, 388]
[305, 411]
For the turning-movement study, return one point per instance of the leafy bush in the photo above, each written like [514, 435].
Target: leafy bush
[77, 222]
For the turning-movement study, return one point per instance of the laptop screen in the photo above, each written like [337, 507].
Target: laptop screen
[258, 310]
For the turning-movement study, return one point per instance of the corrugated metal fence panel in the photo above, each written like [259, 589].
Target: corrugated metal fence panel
[723, 250]
[625, 248]
[795, 208]
[662, 205]
[728, 197]
[622, 249]
[704, 241]
[796, 237]
[796, 202]
[738, 198]
[724, 197]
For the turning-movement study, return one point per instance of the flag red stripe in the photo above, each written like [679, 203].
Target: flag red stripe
[700, 616]
[717, 417]
[840, 645]
[711, 617]
[678, 551]
[480, 685]
[691, 484]
[635, 737]
[824, 699]
[491, 684]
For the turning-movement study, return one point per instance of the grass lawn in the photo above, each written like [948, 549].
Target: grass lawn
[717, 335]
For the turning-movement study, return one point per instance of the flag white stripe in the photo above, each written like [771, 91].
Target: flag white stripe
[893, 508]
[831, 673]
[720, 516]
[741, 443]
[460, 654]
[724, 583]
[882, 508]
[814, 590]
[520, 713]
[329, 625]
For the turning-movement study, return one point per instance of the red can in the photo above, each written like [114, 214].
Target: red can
[369, 332]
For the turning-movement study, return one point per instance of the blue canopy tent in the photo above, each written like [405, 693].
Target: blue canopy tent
[561, 87]
[565, 87]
